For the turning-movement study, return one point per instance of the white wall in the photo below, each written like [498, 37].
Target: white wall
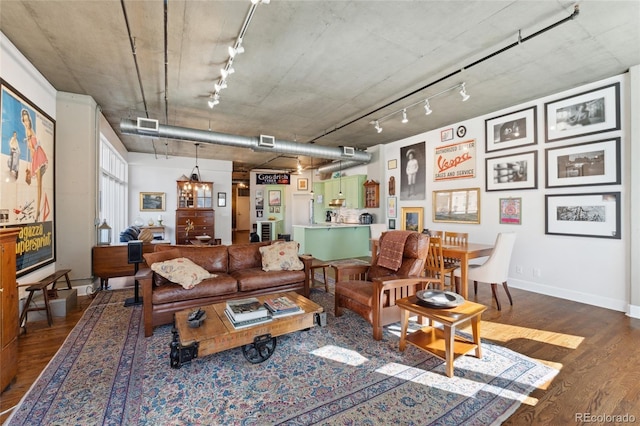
[588, 270]
[150, 174]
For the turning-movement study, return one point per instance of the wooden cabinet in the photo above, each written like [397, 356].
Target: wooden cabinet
[192, 222]
[352, 190]
[195, 194]
[8, 307]
[371, 194]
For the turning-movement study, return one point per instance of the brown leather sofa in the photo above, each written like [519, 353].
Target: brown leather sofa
[238, 270]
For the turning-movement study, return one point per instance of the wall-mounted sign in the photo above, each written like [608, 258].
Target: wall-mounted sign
[273, 179]
[455, 161]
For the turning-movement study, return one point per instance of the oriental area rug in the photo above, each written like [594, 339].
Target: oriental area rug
[107, 372]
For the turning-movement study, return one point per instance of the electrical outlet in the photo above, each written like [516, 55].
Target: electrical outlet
[519, 269]
[537, 272]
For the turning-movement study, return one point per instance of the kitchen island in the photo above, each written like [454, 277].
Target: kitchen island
[333, 241]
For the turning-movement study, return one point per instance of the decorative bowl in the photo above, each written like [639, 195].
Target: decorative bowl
[203, 238]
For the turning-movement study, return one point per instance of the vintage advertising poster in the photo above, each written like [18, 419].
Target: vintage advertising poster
[27, 188]
[455, 161]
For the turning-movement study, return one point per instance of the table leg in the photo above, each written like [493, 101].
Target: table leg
[403, 333]
[448, 347]
[475, 327]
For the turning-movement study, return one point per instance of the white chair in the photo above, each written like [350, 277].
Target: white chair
[496, 269]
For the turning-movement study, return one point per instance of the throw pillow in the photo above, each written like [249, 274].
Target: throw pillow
[281, 256]
[182, 271]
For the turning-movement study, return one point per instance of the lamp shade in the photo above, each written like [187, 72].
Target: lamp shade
[104, 234]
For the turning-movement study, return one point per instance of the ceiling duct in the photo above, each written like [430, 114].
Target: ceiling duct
[254, 143]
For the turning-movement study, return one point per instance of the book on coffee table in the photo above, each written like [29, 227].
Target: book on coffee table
[246, 309]
[247, 323]
[281, 306]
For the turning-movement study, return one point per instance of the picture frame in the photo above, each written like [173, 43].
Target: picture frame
[412, 218]
[275, 197]
[446, 135]
[392, 224]
[457, 205]
[222, 199]
[511, 130]
[586, 113]
[259, 199]
[413, 184]
[510, 211]
[585, 164]
[152, 202]
[594, 215]
[303, 184]
[512, 172]
[28, 185]
[392, 164]
[392, 207]
[454, 161]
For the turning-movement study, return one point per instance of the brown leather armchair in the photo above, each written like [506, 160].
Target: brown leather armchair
[372, 290]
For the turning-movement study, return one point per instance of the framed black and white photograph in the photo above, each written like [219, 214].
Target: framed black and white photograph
[587, 113]
[591, 163]
[583, 215]
[457, 205]
[222, 199]
[512, 130]
[412, 173]
[512, 172]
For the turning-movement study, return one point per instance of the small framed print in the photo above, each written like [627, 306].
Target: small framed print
[152, 201]
[392, 207]
[222, 199]
[412, 218]
[591, 163]
[512, 130]
[392, 164]
[303, 184]
[510, 211]
[392, 224]
[446, 135]
[511, 172]
[583, 215]
[275, 197]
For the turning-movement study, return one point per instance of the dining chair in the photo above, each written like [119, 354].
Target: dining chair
[436, 268]
[496, 269]
[458, 239]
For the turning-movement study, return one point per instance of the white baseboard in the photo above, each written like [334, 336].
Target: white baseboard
[634, 311]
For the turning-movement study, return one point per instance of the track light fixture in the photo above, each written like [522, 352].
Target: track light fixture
[214, 100]
[226, 72]
[461, 87]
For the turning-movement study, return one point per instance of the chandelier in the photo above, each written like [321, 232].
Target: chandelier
[194, 177]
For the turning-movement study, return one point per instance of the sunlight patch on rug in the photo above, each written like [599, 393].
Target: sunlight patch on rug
[343, 355]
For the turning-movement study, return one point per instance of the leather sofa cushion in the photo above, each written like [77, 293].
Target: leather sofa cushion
[245, 256]
[257, 279]
[220, 285]
[212, 258]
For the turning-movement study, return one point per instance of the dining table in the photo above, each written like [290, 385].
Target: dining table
[464, 252]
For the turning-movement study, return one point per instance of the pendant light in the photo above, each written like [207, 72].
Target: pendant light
[340, 193]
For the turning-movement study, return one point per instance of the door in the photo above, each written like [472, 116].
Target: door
[300, 211]
[243, 219]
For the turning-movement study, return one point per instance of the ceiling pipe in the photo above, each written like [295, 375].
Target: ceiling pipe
[351, 158]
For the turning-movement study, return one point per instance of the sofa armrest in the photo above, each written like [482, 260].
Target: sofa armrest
[145, 280]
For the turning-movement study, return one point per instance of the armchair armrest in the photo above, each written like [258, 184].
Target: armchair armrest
[346, 272]
[145, 280]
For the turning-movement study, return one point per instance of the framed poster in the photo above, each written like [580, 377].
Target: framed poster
[510, 172]
[583, 215]
[412, 174]
[27, 186]
[152, 202]
[259, 199]
[511, 130]
[275, 197]
[587, 113]
[303, 184]
[457, 205]
[412, 218]
[510, 211]
[591, 163]
[222, 199]
[455, 161]
[392, 207]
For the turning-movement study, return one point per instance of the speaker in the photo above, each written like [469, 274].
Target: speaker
[134, 252]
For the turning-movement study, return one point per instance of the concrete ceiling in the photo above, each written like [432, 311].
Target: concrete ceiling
[315, 71]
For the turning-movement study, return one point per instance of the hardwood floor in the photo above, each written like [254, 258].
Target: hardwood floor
[595, 349]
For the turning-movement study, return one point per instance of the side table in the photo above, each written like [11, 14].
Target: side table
[442, 343]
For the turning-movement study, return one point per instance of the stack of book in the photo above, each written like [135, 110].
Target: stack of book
[281, 307]
[246, 312]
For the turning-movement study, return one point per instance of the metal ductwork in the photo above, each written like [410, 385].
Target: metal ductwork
[348, 157]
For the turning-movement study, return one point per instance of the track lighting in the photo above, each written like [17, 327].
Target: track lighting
[214, 100]
[377, 126]
[225, 72]
[404, 116]
[463, 93]
[427, 107]
[233, 51]
[222, 84]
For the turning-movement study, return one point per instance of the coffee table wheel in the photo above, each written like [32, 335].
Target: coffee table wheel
[260, 350]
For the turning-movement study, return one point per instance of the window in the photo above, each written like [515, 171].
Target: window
[113, 188]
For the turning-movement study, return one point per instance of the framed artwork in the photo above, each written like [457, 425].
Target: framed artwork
[259, 199]
[303, 184]
[152, 202]
[412, 175]
[512, 172]
[510, 211]
[583, 215]
[392, 207]
[587, 113]
[412, 218]
[446, 135]
[275, 197]
[457, 205]
[222, 199]
[392, 224]
[392, 164]
[272, 209]
[511, 130]
[590, 163]
[455, 161]
[28, 138]
[259, 213]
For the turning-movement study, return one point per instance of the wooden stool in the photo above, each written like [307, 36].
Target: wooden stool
[324, 267]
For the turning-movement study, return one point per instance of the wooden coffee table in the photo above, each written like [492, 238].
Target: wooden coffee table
[217, 334]
[442, 343]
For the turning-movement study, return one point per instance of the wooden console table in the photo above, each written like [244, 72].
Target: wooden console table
[112, 261]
